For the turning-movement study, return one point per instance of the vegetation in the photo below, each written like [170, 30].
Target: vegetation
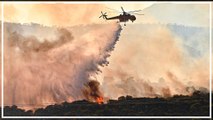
[178, 105]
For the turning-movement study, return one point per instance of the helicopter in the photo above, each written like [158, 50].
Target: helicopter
[124, 17]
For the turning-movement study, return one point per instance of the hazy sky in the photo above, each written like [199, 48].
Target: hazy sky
[181, 13]
[129, 6]
[63, 14]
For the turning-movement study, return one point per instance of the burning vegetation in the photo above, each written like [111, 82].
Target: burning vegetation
[100, 100]
[92, 92]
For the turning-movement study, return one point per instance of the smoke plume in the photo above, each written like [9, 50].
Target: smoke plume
[41, 70]
[152, 60]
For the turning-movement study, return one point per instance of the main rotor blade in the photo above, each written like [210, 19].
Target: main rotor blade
[114, 12]
[137, 14]
[134, 11]
[122, 9]
[112, 9]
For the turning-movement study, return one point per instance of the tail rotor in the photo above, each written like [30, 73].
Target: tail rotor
[103, 15]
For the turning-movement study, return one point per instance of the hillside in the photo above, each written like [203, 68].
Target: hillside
[178, 105]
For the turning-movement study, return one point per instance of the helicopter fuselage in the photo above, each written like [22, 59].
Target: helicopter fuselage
[126, 17]
[123, 17]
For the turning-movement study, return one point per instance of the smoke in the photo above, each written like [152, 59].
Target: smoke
[55, 14]
[152, 61]
[92, 91]
[32, 44]
[41, 71]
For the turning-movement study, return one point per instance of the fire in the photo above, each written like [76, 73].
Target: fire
[100, 100]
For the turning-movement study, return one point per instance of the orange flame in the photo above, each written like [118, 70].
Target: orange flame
[100, 100]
